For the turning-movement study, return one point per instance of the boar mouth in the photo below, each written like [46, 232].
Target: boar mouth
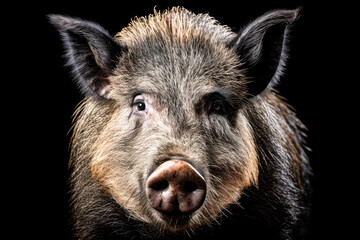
[176, 221]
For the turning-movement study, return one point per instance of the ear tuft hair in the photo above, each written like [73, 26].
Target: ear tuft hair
[262, 48]
[90, 51]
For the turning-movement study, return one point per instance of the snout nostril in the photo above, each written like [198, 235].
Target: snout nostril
[190, 187]
[161, 185]
[175, 186]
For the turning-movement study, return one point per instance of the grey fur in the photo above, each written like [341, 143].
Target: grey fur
[180, 65]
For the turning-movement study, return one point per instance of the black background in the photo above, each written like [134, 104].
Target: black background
[39, 99]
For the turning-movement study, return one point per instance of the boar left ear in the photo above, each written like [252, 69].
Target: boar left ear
[261, 46]
[91, 53]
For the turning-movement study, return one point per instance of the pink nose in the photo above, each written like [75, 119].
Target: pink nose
[176, 186]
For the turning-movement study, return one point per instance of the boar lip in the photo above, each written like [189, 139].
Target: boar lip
[176, 220]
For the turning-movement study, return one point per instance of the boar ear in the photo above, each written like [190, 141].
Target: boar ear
[261, 46]
[91, 53]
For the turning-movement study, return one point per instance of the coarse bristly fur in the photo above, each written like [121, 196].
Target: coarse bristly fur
[207, 96]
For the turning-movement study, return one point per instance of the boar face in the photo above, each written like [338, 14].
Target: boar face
[177, 97]
[173, 86]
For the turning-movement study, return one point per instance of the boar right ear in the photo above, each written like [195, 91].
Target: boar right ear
[261, 46]
[91, 53]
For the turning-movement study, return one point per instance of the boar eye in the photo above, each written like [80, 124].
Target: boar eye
[139, 103]
[217, 107]
[140, 106]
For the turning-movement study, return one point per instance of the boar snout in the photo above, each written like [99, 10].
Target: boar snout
[176, 186]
